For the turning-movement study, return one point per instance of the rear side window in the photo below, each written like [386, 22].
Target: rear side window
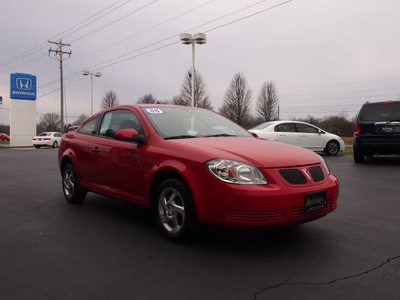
[306, 129]
[262, 126]
[285, 127]
[380, 112]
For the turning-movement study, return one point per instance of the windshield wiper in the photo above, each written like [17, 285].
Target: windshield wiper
[176, 137]
[217, 135]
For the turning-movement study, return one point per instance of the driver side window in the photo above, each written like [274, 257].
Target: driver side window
[119, 119]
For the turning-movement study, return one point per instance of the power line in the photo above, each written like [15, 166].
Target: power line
[144, 31]
[115, 21]
[42, 46]
[175, 35]
[87, 19]
[249, 16]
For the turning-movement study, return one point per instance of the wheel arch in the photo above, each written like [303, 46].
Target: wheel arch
[160, 177]
[69, 158]
[163, 175]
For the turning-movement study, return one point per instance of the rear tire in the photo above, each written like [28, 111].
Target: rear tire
[55, 144]
[37, 147]
[358, 156]
[73, 192]
[174, 210]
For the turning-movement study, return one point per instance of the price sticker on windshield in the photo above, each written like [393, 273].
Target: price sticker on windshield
[155, 111]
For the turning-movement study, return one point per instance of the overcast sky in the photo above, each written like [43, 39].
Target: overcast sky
[325, 56]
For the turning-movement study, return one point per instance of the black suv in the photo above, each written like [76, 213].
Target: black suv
[377, 130]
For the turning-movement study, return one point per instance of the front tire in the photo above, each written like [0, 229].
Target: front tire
[332, 148]
[174, 210]
[73, 192]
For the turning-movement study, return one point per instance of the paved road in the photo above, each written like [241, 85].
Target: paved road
[108, 249]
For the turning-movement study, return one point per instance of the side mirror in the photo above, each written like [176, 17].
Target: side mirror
[130, 135]
[73, 128]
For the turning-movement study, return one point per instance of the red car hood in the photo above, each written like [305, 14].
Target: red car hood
[258, 152]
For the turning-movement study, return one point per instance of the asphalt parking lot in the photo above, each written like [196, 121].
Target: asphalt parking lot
[109, 249]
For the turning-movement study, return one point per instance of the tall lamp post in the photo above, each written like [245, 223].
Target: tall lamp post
[96, 74]
[188, 39]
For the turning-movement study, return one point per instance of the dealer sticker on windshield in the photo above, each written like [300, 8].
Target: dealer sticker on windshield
[154, 111]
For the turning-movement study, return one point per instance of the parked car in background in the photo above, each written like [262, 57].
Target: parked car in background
[300, 134]
[4, 137]
[377, 130]
[193, 165]
[51, 139]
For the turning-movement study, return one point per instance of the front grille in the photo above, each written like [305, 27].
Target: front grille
[254, 216]
[293, 176]
[316, 173]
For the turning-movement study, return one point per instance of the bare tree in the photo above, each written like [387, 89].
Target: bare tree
[177, 100]
[110, 99]
[267, 102]
[82, 118]
[201, 98]
[147, 99]
[49, 122]
[236, 104]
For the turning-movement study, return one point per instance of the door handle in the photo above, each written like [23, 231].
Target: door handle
[96, 149]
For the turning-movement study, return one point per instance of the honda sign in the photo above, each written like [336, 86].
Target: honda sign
[23, 86]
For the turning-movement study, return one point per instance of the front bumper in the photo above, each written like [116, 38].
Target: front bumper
[257, 206]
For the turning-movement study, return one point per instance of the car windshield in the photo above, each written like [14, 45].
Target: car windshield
[376, 112]
[262, 126]
[185, 122]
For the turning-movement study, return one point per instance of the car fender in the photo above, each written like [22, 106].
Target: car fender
[186, 173]
[69, 156]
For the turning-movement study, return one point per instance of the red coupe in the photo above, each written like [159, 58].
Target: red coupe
[4, 137]
[192, 165]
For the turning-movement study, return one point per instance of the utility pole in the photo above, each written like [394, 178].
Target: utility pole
[58, 54]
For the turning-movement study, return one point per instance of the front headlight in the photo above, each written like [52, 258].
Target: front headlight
[324, 164]
[236, 172]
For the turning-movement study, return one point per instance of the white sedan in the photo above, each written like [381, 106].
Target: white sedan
[300, 134]
[47, 139]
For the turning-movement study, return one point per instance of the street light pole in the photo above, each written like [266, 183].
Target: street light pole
[97, 74]
[188, 39]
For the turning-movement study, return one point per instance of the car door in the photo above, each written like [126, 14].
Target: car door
[83, 147]
[122, 170]
[286, 133]
[310, 137]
